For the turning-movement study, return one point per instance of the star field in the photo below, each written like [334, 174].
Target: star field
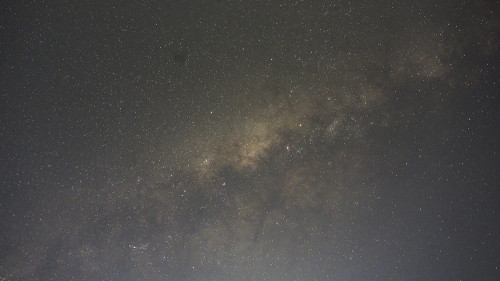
[249, 140]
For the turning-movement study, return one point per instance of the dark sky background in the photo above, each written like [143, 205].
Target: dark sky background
[249, 140]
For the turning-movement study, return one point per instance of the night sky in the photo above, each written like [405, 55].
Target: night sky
[249, 140]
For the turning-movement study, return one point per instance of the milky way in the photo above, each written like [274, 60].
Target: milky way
[282, 140]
